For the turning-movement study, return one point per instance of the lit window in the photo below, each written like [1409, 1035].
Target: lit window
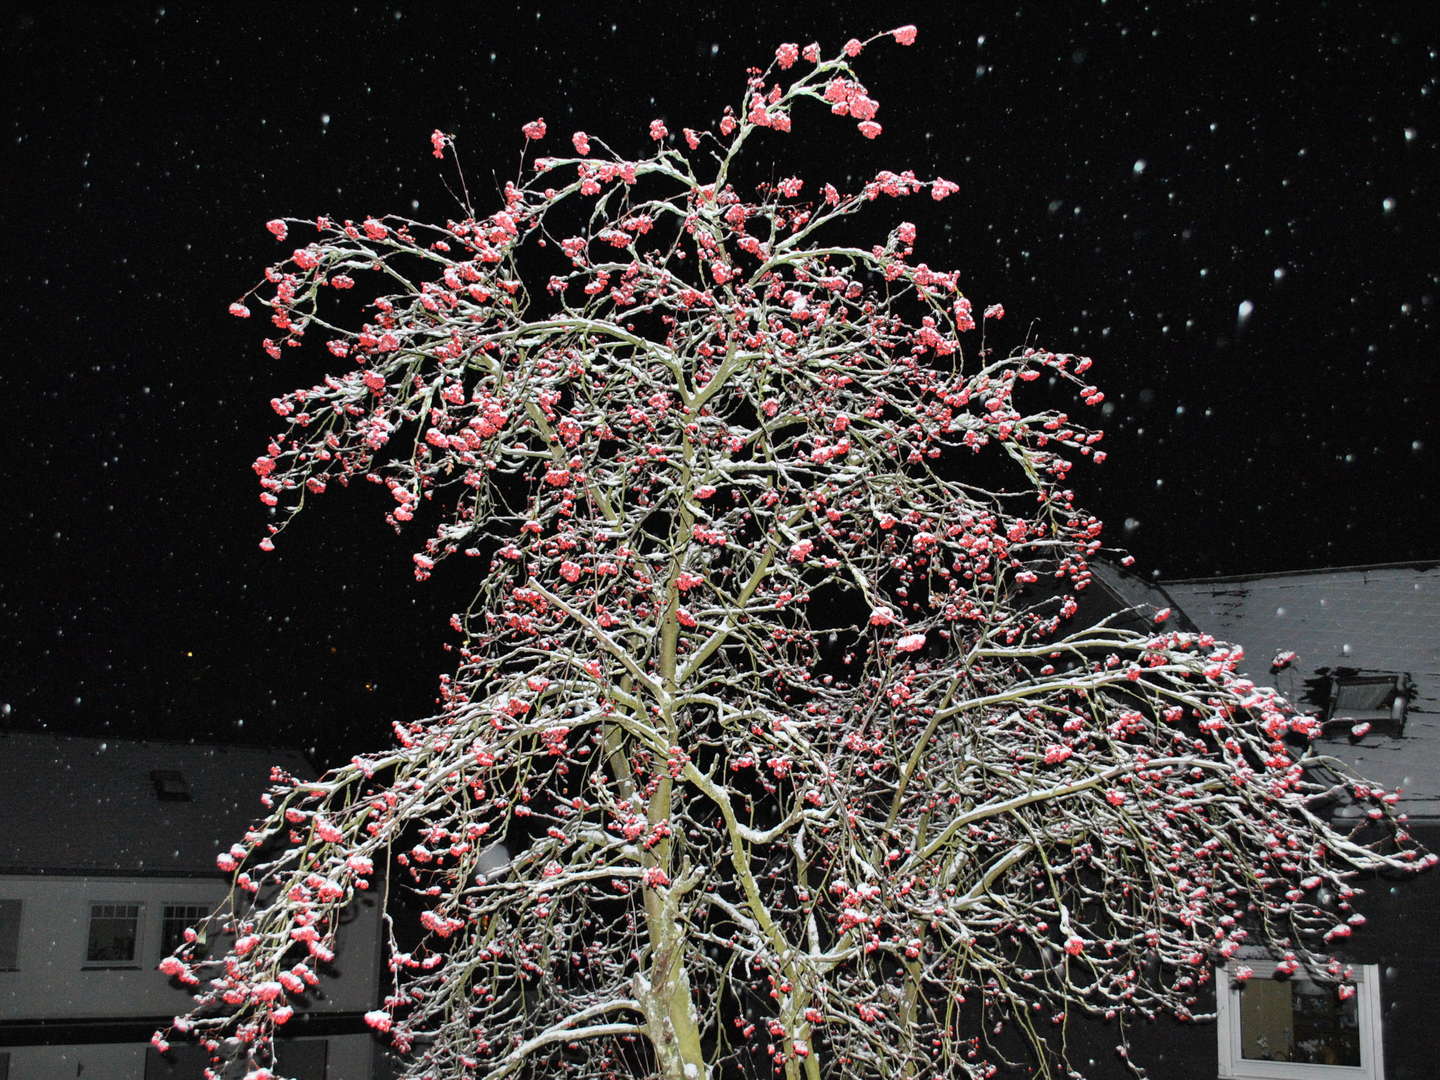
[1294, 1029]
[114, 934]
[9, 935]
[176, 919]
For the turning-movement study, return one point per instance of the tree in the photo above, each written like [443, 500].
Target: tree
[772, 691]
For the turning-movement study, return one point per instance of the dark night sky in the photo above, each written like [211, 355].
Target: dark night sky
[1129, 179]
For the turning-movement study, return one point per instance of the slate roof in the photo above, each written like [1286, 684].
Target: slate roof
[1373, 618]
[71, 804]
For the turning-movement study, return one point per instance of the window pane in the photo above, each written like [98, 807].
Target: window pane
[9, 935]
[176, 919]
[1298, 1021]
[1364, 696]
[113, 930]
[170, 786]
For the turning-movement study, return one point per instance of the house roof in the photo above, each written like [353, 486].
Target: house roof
[1121, 591]
[73, 804]
[1370, 618]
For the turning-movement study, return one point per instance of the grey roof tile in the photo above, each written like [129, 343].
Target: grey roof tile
[78, 804]
[1380, 618]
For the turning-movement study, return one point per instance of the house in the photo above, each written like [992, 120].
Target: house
[1366, 645]
[107, 855]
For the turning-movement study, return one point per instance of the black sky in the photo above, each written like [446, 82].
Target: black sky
[1130, 177]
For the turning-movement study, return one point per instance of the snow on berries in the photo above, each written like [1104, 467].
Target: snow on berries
[777, 642]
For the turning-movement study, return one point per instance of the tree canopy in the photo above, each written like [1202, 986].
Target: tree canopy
[774, 744]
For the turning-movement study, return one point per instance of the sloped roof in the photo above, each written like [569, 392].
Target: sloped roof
[1119, 590]
[1376, 618]
[1384, 617]
[72, 804]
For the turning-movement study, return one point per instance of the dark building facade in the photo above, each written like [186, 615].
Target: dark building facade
[1366, 645]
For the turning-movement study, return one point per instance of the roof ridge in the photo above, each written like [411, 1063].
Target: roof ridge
[21, 733]
[1412, 564]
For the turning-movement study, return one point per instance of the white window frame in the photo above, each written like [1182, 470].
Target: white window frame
[1367, 1012]
[186, 913]
[136, 954]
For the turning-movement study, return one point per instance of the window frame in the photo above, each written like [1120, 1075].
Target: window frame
[170, 785]
[135, 954]
[198, 917]
[1368, 1013]
[14, 928]
[1389, 720]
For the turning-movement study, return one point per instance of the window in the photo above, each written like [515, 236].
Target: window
[1294, 1029]
[9, 937]
[1377, 698]
[170, 785]
[176, 919]
[114, 935]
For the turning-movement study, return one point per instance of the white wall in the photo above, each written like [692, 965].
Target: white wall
[350, 1057]
[54, 982]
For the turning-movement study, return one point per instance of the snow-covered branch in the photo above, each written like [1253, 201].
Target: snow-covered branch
[777, 721]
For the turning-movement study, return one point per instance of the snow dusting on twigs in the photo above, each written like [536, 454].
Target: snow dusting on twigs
[773, 695]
